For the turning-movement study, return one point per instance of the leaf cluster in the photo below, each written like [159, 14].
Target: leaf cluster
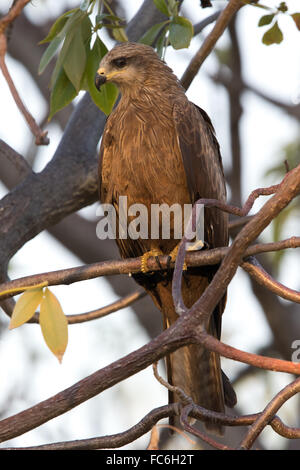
[75, 39]
[176, 30]
[274, 34]
[53, 322]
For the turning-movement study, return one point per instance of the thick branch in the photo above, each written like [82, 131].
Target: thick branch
[94, 384]
[13, 165]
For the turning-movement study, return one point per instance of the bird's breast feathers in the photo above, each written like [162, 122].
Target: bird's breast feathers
[142, 159]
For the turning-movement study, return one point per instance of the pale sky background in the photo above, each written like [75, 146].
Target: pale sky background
[264, 130]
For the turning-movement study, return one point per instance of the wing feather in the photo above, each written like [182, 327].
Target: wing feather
[205, 176]
[203, 166]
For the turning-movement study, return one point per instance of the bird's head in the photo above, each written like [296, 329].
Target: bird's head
[129, 65]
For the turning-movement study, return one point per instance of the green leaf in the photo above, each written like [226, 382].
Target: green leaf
[74, 16]
[266, 19]
[106, 16]
[54, 324]
[57, 27]
[273, 35]
[296, 18]
[71, 29]
[62, 94]
[152, 33]
[25, 307]
[181, 32]
[49, 53]
[75, 59]
[105, 99]
[161, 6]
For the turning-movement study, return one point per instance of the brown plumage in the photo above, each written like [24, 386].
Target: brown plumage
[158, 147]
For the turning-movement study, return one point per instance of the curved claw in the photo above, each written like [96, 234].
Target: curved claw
[146, 256]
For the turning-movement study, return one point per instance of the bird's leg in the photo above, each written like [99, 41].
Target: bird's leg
[172, 258]
[150, 254]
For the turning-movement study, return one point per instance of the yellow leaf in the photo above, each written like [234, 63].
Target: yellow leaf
[25, 307]
[54, 324]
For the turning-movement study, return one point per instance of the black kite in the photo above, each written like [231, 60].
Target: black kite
[158, 147]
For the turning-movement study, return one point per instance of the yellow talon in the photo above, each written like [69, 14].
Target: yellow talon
[146, 256]
[173, 256]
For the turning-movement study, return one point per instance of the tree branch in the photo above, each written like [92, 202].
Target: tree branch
[14, 11]
[186, 330]
[201, 310]
[209, 43]
[253, 267]
[265, 417]
[40, 136]
[132, 265]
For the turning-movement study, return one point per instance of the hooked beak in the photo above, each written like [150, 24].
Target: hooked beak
[100, 79]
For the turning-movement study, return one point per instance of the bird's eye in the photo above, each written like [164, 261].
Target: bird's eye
[120, 63]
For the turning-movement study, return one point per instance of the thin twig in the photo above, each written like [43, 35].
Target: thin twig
[240, 211]
[12, 14]
[209, 43]
[119, 304]
[254, 268]
[147, 423]
[237, 223]
[41, 136]
[265, 417]
[263, 362]
[183, 397]
[115, 440]
[204, 437]
[198, 27]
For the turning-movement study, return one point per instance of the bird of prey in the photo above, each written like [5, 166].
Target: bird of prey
[159, 148]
